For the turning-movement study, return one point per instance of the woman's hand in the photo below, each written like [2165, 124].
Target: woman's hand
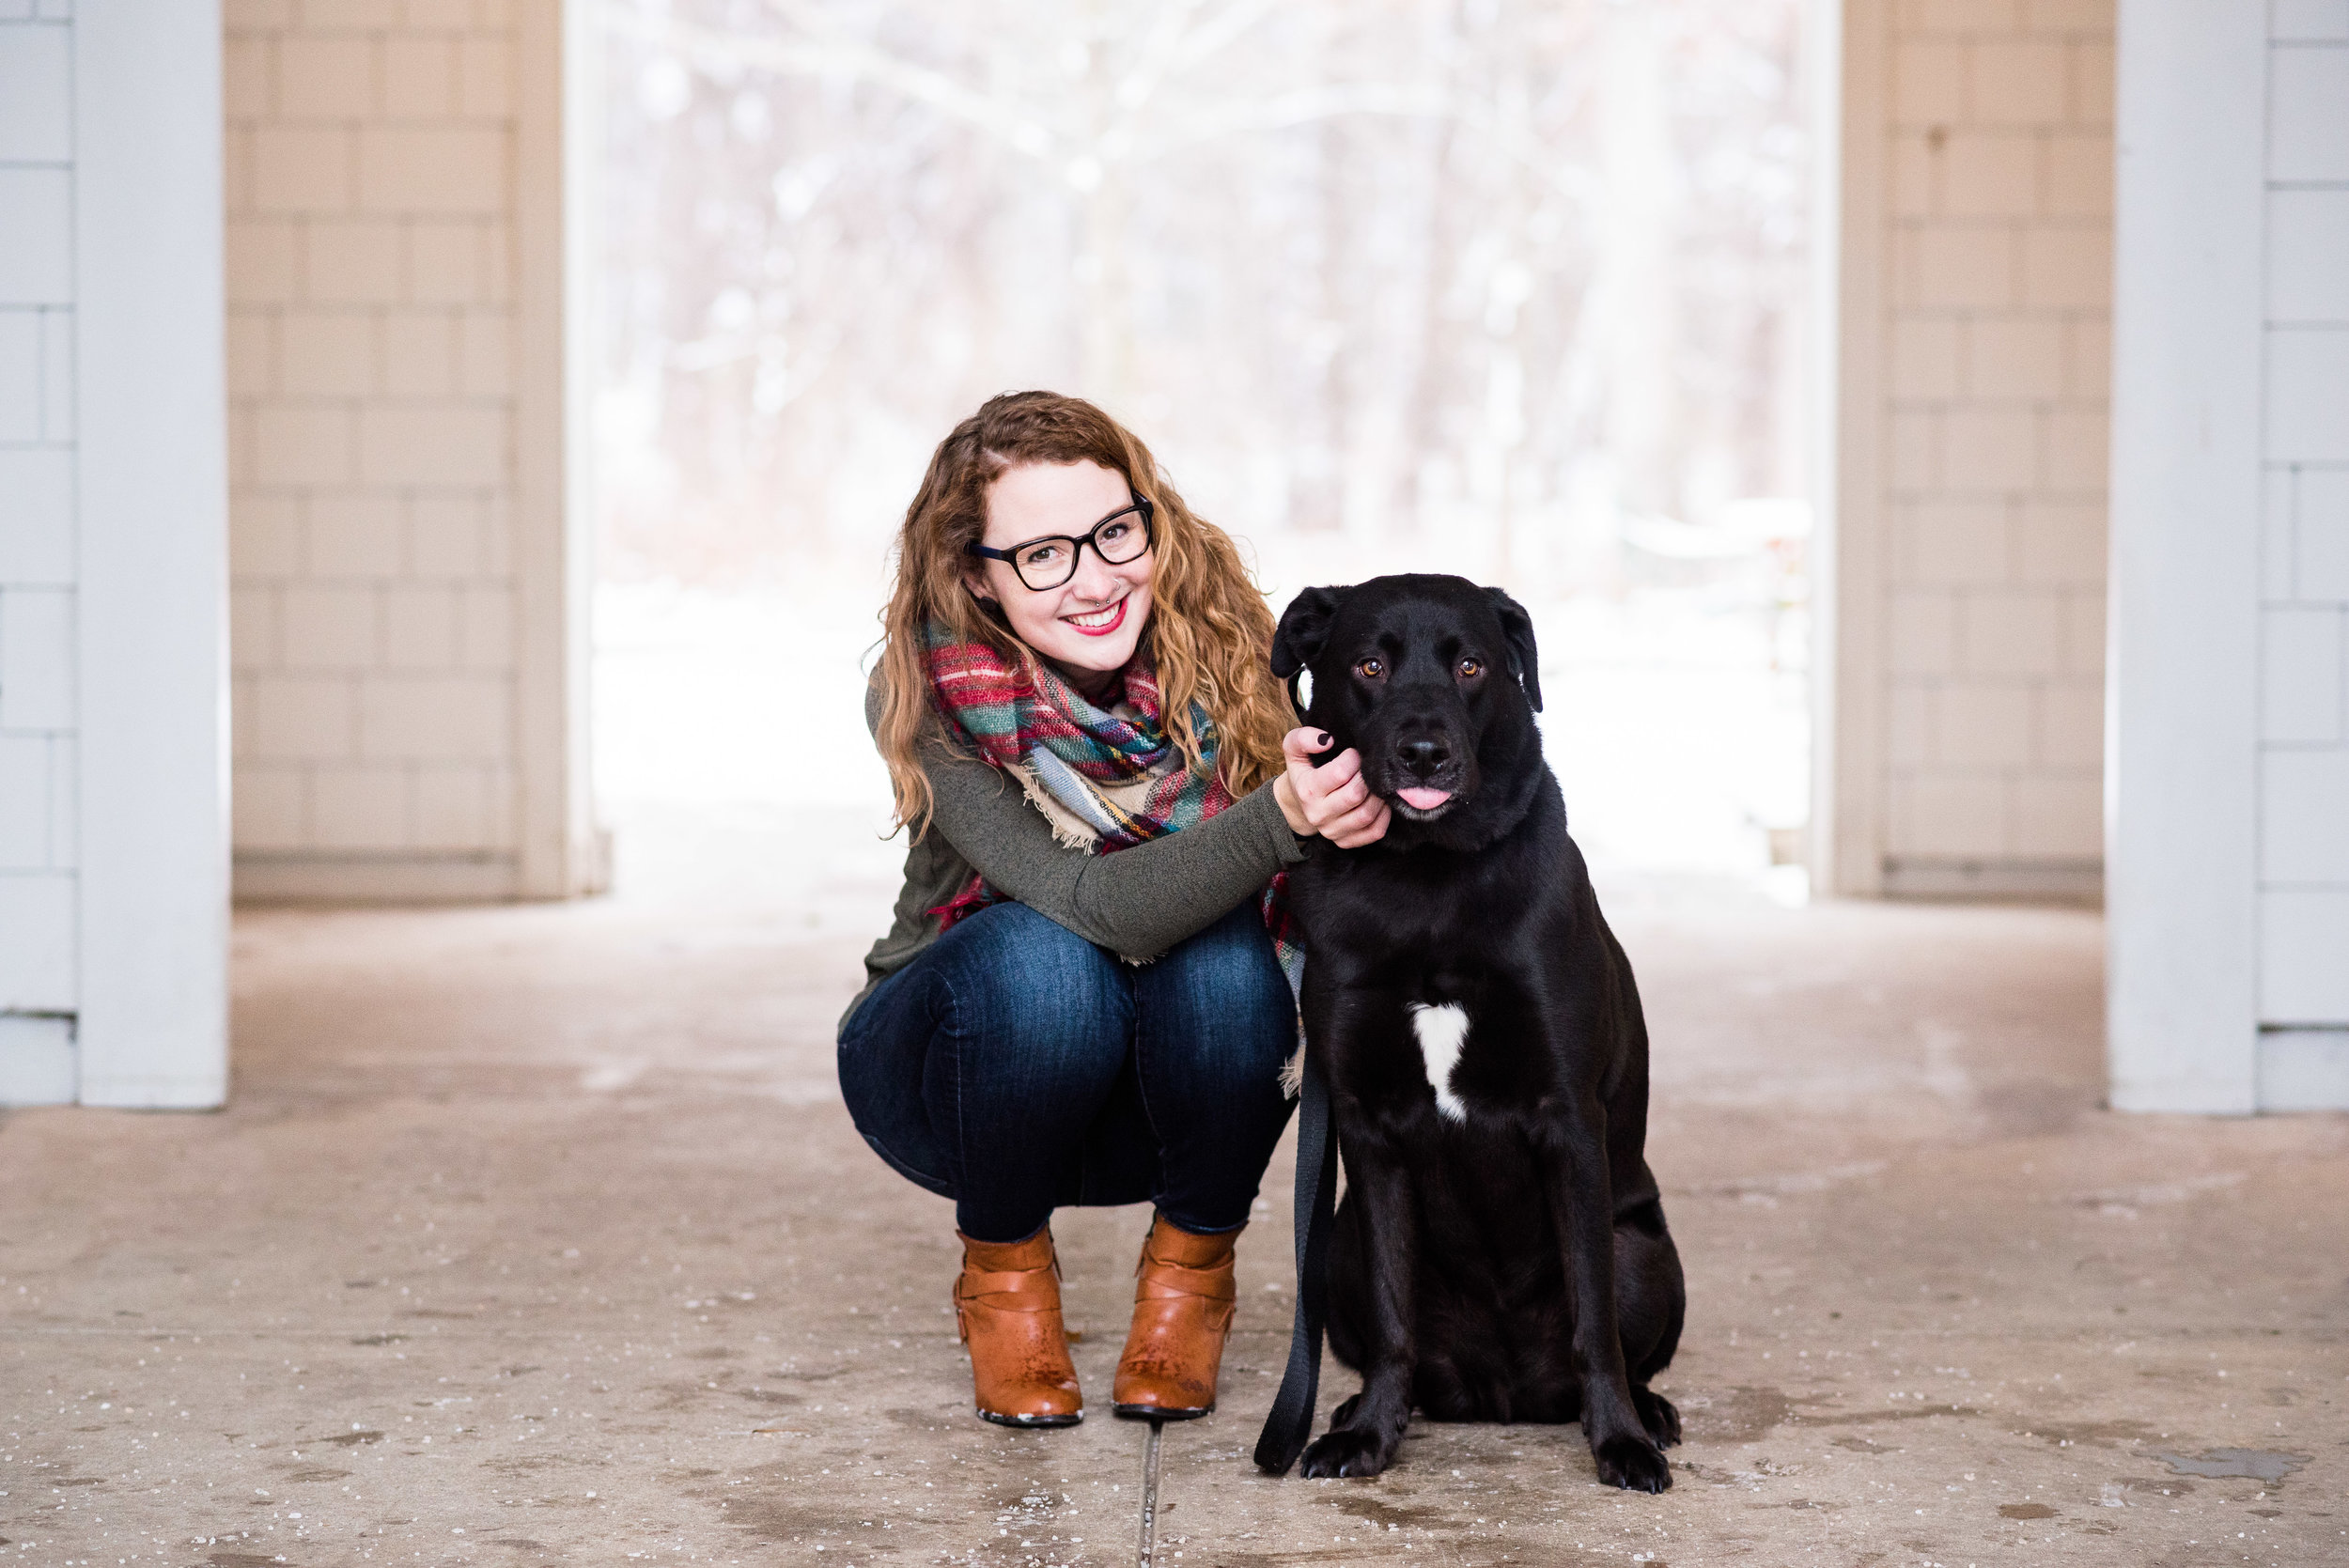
[1333, 801]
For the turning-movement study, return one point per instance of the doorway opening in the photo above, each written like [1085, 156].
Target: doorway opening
[1510, 290]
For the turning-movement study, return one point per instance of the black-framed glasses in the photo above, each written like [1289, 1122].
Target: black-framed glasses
[1047, 562]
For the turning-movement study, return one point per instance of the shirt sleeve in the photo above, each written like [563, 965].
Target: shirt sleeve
[1137, 902]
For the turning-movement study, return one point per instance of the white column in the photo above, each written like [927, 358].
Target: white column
[1852, 65]
[2181, 742]
[153, 533]
[557, 149]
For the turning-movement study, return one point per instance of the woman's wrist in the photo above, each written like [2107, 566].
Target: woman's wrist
[1290, 811]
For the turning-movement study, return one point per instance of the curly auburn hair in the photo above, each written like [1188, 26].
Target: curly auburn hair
[1210, 631]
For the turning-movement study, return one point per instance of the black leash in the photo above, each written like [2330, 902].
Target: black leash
[1291, 1423]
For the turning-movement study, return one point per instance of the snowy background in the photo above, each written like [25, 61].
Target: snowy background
[1514, 291]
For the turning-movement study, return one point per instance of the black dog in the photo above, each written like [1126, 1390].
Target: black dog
[1500, 1253]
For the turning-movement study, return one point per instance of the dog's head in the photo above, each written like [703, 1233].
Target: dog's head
[1435, 681]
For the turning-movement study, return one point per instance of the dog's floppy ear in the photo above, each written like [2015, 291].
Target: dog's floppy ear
[1518, 626]
[1304, 626]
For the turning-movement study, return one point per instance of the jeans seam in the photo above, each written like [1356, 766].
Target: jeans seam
[960, 1154]
[913, 1173]
[1142, 1093]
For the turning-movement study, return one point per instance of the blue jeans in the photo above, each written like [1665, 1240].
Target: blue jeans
[1014, 1067]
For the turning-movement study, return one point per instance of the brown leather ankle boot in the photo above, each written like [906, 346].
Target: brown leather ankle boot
[1007, 1306]
[1183, 1303]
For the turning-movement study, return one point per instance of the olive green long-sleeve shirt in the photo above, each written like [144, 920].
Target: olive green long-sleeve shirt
[1137, 903]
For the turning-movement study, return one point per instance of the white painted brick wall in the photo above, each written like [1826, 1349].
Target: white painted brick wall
[36, 243]
[2304, 817]
[2300, 675]
[35, 659]
[38, 847]
[2307, 232]
[2309, 21]
[2308, 394]
[2302, 978]
[38, 960]
[1998, 343]
[2308, 113]
[371, 149]
[2304, 655]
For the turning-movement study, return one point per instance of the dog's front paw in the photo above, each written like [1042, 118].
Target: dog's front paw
[1344, 1452]
[1632, 1464]
[1658, 1415]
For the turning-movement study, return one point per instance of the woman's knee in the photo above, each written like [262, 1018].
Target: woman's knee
[1226, 976]
[1011, 977]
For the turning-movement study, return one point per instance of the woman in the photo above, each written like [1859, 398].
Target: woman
[1080, 999]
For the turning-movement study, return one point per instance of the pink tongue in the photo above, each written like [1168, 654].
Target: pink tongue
[1425, 800]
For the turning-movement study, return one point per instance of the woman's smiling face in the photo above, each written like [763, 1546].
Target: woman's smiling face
[1090, 624]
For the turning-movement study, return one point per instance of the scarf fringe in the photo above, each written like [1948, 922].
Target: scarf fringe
[1069, 831]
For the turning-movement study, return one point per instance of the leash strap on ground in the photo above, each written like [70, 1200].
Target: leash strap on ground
[1291, 1422]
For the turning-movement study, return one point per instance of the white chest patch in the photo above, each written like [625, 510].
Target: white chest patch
[1441, 1030]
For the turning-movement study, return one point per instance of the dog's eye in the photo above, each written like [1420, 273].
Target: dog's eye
[1471, 668]
[1372, 669]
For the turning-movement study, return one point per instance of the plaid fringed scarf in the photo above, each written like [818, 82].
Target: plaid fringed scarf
[1106, 778]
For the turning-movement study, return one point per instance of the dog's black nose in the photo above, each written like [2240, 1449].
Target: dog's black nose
[1422, 756]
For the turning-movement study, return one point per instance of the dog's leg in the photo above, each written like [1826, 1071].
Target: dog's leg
[1369, 1427]
[1347, 1287]
[1581, 1210]
[1653, 1302]
[1658, 1414]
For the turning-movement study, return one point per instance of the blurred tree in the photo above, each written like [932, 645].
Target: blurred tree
[1480, 278]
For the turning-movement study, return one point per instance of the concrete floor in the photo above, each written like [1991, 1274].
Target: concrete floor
[539, 1234]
